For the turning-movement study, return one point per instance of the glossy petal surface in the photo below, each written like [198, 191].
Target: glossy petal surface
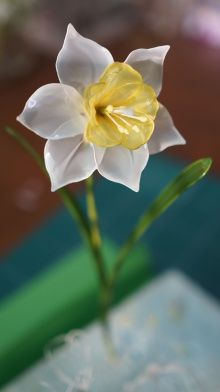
[54, 111]
[121, 108]
[165, 133]
[81, 61]
[149, 62]
[68, 160]
[124, 166]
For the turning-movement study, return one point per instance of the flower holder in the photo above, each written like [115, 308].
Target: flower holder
[165, 338]
[62, 298]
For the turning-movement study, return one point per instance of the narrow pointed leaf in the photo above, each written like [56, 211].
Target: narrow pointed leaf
[188, 177]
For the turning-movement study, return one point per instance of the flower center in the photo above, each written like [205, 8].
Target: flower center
[121, 108]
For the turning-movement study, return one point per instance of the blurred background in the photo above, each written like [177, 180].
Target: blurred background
[31, 34]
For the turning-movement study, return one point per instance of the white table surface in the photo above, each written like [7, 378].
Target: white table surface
[166, 337]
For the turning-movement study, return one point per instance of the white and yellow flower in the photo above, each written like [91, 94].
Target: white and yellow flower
[103, 115]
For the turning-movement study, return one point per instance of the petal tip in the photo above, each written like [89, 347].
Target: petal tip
[166, 48]
[18, 118]
[164, 51]
[21, 119]
[135, 187]
[53, 188]
[71, 29]
[182, 141]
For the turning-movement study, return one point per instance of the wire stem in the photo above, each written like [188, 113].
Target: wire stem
[97, 244]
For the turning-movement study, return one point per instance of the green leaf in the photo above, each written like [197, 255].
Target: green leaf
[188, 177]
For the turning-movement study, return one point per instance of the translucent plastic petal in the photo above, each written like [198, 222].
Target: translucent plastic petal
[124, 166]
[69, 160]
[121, 84]
[165, 134]
[149, 62]
[103, 132]
[140, 133]
[121, 108]
[54, 111]
[81, 61]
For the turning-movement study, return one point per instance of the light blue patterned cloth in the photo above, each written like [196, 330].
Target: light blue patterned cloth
[165, 338]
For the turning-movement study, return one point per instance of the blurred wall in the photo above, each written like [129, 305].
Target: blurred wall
[32, 32]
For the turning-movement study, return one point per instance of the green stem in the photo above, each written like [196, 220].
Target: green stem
[97, 244]
[90, 234]
[76, 212]
[92, 213]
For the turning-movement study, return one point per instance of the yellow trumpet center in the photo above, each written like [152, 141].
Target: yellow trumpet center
[121, 108]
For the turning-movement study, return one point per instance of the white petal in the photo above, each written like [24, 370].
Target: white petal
[165, 134]
[54, 111]
[99, 154]
[81, 61]
[68, 160]
[149, 63]
[124, 166]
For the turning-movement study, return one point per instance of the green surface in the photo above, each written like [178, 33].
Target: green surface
[62, 298]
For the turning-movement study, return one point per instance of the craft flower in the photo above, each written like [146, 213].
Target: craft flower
[103, 115]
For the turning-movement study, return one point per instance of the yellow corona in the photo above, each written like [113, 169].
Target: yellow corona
[121, 108]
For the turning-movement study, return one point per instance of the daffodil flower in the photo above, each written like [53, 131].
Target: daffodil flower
[103, 115]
